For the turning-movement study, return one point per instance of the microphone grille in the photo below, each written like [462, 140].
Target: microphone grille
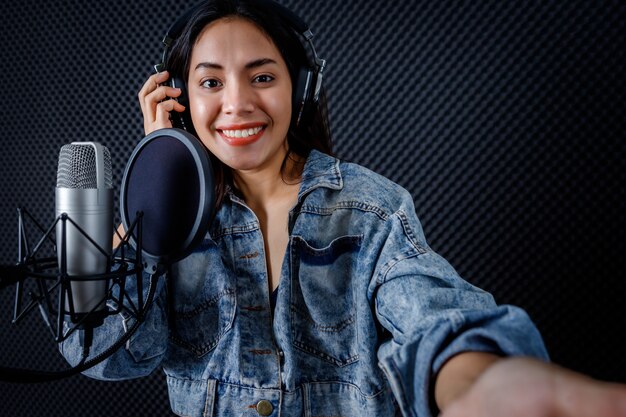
[77, 167]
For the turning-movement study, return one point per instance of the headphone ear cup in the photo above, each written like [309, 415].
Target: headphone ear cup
[181, 120]
[178, 82]
[302, 97]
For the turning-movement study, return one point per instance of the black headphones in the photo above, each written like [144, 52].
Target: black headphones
[306, 88]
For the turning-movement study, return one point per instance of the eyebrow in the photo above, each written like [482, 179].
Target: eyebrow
[252, 64]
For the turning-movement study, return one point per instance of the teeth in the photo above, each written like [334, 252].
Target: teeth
[242, 133]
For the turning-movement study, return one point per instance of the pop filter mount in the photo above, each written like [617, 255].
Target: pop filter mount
[166, 205]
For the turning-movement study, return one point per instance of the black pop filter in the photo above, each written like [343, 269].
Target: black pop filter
[169, 178]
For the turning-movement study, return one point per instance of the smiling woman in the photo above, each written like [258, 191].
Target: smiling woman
[239, 81]
[315, 292]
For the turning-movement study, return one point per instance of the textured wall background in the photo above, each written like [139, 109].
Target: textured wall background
[505, 119]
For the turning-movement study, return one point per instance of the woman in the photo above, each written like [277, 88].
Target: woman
[367, 319]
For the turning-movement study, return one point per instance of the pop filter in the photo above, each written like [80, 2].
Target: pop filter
[169, 178]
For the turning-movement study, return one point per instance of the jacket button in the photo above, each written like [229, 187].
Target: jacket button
[264, 408]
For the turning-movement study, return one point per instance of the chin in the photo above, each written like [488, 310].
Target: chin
[242, 162]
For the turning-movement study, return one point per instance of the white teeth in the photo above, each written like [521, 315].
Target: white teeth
[242, 133]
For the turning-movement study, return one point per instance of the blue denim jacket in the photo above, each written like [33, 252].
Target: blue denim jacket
[366, 312]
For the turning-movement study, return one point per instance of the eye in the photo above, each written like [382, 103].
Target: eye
[264, 78]
[210, 83]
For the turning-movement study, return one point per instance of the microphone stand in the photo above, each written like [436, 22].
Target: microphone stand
[31, 267]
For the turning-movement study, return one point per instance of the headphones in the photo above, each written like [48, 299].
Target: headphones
[306, 88]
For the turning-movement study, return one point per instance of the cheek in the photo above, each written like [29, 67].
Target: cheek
[202, 113]
[280, 106]
[202, 117]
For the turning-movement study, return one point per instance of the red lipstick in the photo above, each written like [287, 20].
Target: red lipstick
[240, 140]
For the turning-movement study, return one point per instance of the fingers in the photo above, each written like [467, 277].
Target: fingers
[457, 409]
[151, 84]
[585, 397]
[118, 236]
[162, 116]
[155, 103]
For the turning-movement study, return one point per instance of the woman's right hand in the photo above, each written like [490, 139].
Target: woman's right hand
[154, 99]
[521, 387]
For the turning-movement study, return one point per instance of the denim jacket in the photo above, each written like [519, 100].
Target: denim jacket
[366, 313]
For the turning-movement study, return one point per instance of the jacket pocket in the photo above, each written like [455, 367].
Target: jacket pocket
[150, 340]
[204, 304]
[323, 315]
[199, 329]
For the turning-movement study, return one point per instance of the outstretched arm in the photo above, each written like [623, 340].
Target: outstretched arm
[459, 373]
[478, 384]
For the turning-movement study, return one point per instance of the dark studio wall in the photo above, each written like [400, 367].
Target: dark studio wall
[504, 119]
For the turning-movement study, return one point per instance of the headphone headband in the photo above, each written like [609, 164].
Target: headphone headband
[308, 85]
[295, 22]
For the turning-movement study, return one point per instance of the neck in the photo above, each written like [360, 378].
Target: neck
[261, 188]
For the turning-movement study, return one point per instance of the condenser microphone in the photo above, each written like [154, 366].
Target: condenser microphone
[167, 204]
[84, 193]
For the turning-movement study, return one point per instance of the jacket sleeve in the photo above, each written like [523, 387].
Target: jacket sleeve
[432, 314]
[143, 352]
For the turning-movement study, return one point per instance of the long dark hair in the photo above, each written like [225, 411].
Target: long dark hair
[301, 139]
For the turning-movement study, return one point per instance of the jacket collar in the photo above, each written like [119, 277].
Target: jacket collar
[320, 170]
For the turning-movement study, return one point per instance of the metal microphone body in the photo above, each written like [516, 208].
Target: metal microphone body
[85, 194]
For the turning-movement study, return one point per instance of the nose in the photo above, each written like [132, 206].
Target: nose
[238, 98]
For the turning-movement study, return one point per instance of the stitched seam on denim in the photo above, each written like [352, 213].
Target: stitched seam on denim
[382, 276]
[202, 349]
[325, 356]
[398, 382]
[345, 205]
[327, 329]
[204, 306]
[205, 348]
[245, 228]
[388, 322]
[206, 401]
[335, 181]
[340, 241]
[409, 232]
[249, 387]
[352, 385]
[304, 193]
[306, 399]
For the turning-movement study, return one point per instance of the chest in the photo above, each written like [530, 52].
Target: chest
[272, 217]
[274, 229]
[253, 256]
